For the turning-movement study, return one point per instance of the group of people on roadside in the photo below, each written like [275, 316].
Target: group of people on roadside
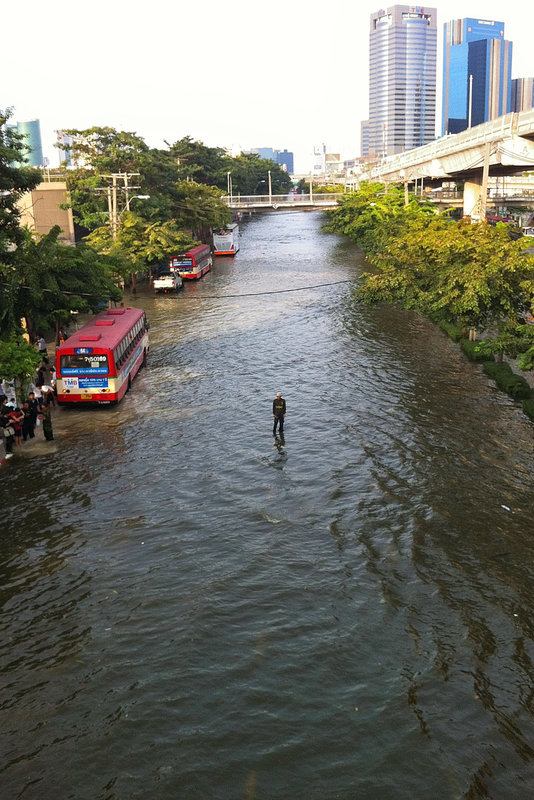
[19, 423]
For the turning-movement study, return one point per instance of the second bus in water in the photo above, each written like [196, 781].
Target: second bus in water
[226, 242]
[193, 264]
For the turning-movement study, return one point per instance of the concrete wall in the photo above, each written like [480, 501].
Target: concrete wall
[40, 210]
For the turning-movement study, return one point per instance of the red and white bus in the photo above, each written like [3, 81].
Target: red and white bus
[193, 264]
[98, 363]
[226, 241]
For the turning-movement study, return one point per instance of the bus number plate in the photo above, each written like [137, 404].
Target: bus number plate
[86, 396]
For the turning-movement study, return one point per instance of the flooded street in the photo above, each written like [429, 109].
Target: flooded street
[191, 609]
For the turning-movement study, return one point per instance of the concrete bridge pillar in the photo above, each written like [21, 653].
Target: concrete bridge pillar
[472, 197]
[476, 191]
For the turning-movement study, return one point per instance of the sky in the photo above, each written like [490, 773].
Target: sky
[284, 74]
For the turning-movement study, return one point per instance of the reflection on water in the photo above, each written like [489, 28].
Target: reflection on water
[194, 608]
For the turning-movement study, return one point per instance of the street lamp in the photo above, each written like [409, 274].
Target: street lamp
[135, 196]
[229, 184]
[114, 217]
[270, 187]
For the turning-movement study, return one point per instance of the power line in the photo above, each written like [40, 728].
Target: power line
[200, 297]
[42, 289]
[259, 294]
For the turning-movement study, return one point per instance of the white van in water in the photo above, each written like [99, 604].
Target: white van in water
[169, 282]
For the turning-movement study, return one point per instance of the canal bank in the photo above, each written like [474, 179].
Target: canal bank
[191, 611]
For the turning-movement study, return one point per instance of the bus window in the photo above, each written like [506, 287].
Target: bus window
[84, 364]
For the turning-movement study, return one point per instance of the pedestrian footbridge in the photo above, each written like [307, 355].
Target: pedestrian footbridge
[504, 146]
[273, 202]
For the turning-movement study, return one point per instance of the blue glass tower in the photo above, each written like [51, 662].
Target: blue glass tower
[477, 73]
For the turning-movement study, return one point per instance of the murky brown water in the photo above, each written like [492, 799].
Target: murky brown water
[191, 612]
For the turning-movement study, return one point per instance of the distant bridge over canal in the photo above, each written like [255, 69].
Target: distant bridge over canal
[273, 202]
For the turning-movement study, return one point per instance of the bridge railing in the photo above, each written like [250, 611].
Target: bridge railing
[521, 123]
[280, 200]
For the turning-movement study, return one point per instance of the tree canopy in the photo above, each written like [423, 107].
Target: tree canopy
[14, 182]
[473, 273]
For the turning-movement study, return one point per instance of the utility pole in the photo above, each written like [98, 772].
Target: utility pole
[114, 208]
[114, 215]
[127, 175]
[110, 208]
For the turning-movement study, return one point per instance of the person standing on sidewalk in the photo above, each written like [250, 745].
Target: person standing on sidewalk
[28, 423]
[6, 429]
[279, 413]
[41, 347]
[34, 406]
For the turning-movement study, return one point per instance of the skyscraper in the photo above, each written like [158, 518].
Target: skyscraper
[402, 80]
[33, 149]
[477, 70]
[522, 94]
[285, 159]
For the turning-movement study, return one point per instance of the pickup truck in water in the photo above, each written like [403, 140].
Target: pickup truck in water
[168, 282]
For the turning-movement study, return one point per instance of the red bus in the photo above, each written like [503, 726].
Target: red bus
[98, 363]
[193, 264]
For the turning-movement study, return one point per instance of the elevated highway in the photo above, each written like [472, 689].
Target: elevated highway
[504, 146]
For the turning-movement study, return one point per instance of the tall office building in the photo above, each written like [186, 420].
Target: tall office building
[477, 73]
[285, 159]
[522, 94]
[282, 157]
[65, 142]
[33, 148]
[264, 152]
[402, 80]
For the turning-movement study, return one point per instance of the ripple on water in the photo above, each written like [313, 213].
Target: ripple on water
[274, 618]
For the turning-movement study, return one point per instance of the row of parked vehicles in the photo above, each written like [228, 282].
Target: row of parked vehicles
[197, 261]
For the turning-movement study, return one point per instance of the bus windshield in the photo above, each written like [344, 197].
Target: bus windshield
[80, 364]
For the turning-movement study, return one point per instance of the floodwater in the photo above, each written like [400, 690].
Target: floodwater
[192, 609]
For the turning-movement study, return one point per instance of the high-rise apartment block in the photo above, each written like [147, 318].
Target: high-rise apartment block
[522, 94]
[402, 80]
[477, 69]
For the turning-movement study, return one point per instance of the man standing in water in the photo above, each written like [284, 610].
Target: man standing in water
[46, 417]
[279, 412]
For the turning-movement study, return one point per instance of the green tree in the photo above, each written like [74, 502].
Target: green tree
[98, 152]
[52, 279]
[138, 243]
[474, 274]
[198, 208]
[14, 182]
[198, 162]
[18, 362]
[250, 175]
[106, 150]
